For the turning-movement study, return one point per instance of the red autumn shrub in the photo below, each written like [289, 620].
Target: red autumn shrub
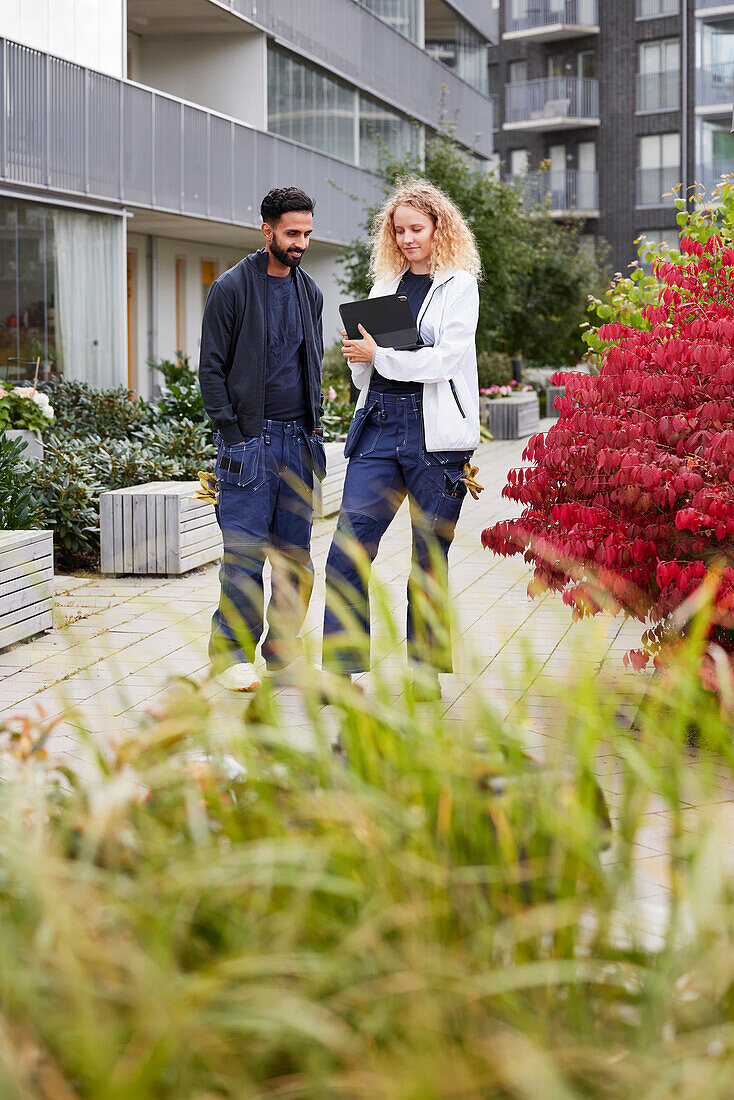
[631, 492]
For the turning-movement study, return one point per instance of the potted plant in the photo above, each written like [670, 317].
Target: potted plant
[25, 413]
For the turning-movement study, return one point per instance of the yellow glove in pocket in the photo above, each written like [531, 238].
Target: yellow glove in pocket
[470, 480]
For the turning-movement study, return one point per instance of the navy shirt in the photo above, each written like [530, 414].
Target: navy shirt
[415, 288]
[285, 385]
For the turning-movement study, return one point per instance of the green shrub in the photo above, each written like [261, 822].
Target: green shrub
[83, 410]
[17, 511]
[65, 491]
[494, 369]
[220, 912]
[181, 398]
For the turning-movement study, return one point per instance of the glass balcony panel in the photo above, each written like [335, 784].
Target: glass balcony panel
[543, 102]
[653, 183]
[715, 85]
[658, 91]
[528, 15]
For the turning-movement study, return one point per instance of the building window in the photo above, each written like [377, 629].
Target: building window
[714, 152]
[517, 72]
[307, 105]
[384, 135]
[658, 80]
[654, 238]
[61, 294]
[181, 304]
[659, 168]
[519, 161]
[452, 41]
[208, 278]
[403, 15]
[650, 9]
[586, 64]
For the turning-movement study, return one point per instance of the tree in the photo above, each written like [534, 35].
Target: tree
[536, 274]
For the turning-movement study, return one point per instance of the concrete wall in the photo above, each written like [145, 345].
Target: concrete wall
[89, 32]
[159, 331]
[226, 73]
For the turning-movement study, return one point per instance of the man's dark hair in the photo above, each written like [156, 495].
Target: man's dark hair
[284, 200]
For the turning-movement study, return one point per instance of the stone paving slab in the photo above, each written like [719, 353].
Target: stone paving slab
[126, 638]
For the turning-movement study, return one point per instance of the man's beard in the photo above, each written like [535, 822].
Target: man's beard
[284, 256]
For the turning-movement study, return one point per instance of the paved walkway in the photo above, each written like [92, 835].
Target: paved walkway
[126, 637]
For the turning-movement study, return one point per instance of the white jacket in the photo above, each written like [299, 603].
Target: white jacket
[447, 366]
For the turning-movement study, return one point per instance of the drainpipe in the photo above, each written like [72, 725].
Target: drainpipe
[684, 102]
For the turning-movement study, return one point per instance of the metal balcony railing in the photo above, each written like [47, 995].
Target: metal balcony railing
[703, 4]
[648, 9]
[530, 15]
[715, 85]
[553, 103]
[562, 192]
[347, 38]
[658, 91]
[710, 174]
[653, 183]
[67, 128]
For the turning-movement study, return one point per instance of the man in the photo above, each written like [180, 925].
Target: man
[260, 378]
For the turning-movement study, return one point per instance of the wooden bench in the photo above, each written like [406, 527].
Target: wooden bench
[512, 417]
[327, 494]
[157, 529]
[26, 584]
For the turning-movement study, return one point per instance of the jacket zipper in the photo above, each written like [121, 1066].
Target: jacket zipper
[456, 397]
[421, 313]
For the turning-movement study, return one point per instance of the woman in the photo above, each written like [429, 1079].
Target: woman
[415, 426]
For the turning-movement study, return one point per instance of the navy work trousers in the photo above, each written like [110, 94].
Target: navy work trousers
[265, 510]
[387, 462]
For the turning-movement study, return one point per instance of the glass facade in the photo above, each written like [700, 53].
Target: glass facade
[60, 293]
[403, 15]
[384, 135]
[307, 105]
[452, 41]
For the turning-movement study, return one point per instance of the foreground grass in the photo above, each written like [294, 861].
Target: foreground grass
[225, 913]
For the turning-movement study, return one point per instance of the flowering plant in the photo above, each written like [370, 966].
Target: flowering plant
[629, 498]
[24, 407]
[507, 390]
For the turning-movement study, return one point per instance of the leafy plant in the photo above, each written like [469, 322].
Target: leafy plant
[631, 492]
[181, 397]
[17, 511]
[65, 493]
[494, 368]
[83, 410]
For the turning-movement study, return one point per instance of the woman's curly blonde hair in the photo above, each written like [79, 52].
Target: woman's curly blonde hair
[454, 246]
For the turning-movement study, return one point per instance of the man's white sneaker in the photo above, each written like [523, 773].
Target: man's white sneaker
[239, 677]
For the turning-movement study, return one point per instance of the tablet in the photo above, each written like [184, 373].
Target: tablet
[389, 320]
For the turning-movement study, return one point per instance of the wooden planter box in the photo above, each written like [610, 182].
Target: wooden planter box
[327, 494]
[511, 417]
[157, 529]
[551, 392]
[26, 584]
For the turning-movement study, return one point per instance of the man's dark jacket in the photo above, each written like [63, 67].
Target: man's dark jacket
[234, 347]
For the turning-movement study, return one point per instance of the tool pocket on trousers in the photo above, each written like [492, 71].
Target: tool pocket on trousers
[240, 464]
[317, 451]
[364, 431]
[448, 503]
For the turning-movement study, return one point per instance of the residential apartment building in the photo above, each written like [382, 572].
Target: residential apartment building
[137, 138]
[605, 105]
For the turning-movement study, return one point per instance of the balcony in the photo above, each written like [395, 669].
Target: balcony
[715, 89]
[654, 9]
[72, 131]
[710, 175]
[572, 193]
[658, 91]
[654, 183]
[550, 20]
[714, 9]
[347, 37]
[554, 103]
